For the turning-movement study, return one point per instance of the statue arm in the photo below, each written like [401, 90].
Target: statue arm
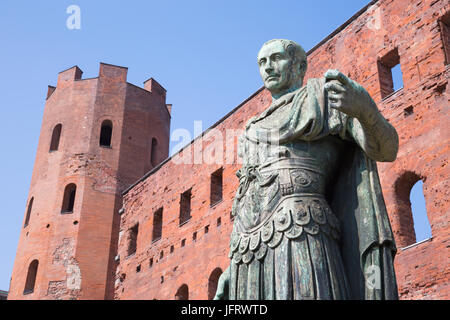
[376, 137]
[223, 286]
[366, 125]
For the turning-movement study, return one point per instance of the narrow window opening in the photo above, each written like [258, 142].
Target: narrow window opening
[150, 262]
[157, 225]
[132, 239]
[30, 207]
[194, 236]
[183, 242]
[422, 227]
[219, 221]
[153, 159]
[390, 73]
[397, 77]
[206, 229]
[216, 187]
[212, 282]
[182, 293]
[54, 144]
[138, 268]
[106, 134]
[412, 221]
[185, 207]
[444, 23]
[31, 277]
[161, 255]
[69, 198]
[172, 248]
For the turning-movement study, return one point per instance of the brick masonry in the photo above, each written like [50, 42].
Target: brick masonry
[194, 253]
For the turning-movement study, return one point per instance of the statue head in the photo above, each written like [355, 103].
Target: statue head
[282, 65]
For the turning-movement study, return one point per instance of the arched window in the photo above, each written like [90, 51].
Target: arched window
[422, 226]
[411, 216]
[106, 133]
[31, 277]
[182, 293]
[69, 198]
[153, 151]
[27, 217]
[54, 144]
[212, 282]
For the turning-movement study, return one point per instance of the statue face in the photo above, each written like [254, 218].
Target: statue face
[276, 68]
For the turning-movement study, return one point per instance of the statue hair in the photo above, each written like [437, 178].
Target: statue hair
[294, 50]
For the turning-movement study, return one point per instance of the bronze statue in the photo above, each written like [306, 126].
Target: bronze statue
[310, 219]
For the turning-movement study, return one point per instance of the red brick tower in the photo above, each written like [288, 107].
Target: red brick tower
[98, 136]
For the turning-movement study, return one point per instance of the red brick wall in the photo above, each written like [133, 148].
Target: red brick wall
[76, 251]
[412, 28]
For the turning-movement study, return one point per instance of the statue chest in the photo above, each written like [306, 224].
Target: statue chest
[272, 173]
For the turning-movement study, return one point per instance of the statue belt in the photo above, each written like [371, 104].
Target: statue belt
[294, 175]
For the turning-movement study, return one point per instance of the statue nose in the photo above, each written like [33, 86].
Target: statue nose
[269, 67]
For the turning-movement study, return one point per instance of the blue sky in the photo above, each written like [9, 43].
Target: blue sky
[202, 52]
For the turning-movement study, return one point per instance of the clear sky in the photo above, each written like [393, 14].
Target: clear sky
[202, 52]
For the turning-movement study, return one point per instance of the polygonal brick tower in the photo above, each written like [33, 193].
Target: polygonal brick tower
[98, 136]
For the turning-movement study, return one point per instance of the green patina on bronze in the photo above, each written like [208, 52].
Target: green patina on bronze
[310, 219]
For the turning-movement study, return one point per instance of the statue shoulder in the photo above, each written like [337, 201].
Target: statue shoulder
[315, 82]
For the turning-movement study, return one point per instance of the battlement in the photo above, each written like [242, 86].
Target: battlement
[108, 71]
[68, 75]
[153, 86]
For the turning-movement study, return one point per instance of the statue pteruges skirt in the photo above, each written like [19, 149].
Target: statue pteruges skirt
[285, 240]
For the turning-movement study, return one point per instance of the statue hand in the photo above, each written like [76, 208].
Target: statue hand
[223, 285]
[347, 96]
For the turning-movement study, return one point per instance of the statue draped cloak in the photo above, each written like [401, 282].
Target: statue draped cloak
[357, 241]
